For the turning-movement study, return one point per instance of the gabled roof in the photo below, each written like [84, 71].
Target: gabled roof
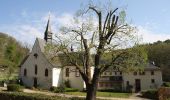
[42, 44]
[150, 66]
[22, 62]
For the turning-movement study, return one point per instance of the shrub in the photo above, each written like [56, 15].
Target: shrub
[14, 87]
[67, 84]
[129, 88]
[151, 94]
[60, 89]
[110, 90]
[71, 90]
[166, 84]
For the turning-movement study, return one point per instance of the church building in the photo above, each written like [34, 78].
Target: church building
[37, 70]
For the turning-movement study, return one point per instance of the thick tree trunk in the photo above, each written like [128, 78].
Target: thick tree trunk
[91, 92]
[92, 87]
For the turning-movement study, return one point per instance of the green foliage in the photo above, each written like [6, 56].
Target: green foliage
[63, 89]
[131, 59]
[11, 55]
[166, 84]
[60, 89]
[67, 84]
[110, 90]
[71, 90]
[159, 52]
[14, 87]
[151, 94]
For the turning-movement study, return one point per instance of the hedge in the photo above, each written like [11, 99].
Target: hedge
[166, 84]
[110, 90]
[151, 94]
[30, 96]
[63, 89]
[14, 87]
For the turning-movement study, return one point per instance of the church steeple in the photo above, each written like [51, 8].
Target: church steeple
[48, 33]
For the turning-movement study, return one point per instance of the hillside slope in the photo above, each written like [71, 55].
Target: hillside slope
[11, 54]
[159, 52]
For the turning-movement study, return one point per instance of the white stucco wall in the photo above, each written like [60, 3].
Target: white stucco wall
[75, 82]
[56, 77]
[42, 63]
[144, 79]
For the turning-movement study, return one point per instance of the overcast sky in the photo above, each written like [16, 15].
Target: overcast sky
[26, 19]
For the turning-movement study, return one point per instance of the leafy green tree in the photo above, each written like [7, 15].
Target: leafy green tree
[101, 41]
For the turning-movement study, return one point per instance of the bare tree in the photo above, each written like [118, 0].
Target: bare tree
[101, 39]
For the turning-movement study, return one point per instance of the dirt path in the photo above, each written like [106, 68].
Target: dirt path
[133, 97]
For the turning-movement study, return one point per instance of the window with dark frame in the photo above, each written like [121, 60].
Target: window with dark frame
[152, 72]
[36, 69]
[127, 83]
[25, 72]
[77, 73]
[67, 72]
[142, 73]
[46, 72]
[152, 80]
[135, 73]
[115, 73]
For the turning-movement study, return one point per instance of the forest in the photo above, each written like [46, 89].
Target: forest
[12, 53]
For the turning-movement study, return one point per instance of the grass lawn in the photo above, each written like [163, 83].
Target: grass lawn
[102, 94]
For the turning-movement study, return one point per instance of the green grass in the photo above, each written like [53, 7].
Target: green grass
[102, 94]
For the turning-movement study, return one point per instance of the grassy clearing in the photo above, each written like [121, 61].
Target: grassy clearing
[102, 94]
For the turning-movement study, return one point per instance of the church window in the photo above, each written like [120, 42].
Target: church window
[67, 72]
[35, 55]
[46, 72]
[36, 69]
[25, 72]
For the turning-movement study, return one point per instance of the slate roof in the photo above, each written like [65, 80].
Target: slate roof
[150, 66]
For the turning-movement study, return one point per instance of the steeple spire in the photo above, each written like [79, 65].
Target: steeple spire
[48, 33]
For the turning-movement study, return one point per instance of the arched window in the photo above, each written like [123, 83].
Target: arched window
[35, 55]
[46, 72]
[36, 69]
[67, 72]
[25, 72]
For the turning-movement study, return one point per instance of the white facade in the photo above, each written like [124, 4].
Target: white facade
[37, 71]
[150, 79]
[57, 75]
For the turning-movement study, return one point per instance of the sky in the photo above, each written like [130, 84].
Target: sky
[26, 19]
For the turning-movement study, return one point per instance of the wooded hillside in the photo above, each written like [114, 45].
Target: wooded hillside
[11, 54]
[159, 52]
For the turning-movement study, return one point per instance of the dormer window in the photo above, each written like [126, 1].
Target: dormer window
[35, 55]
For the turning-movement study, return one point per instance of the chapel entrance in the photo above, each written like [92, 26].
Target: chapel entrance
[35, 82]
[137, 85]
